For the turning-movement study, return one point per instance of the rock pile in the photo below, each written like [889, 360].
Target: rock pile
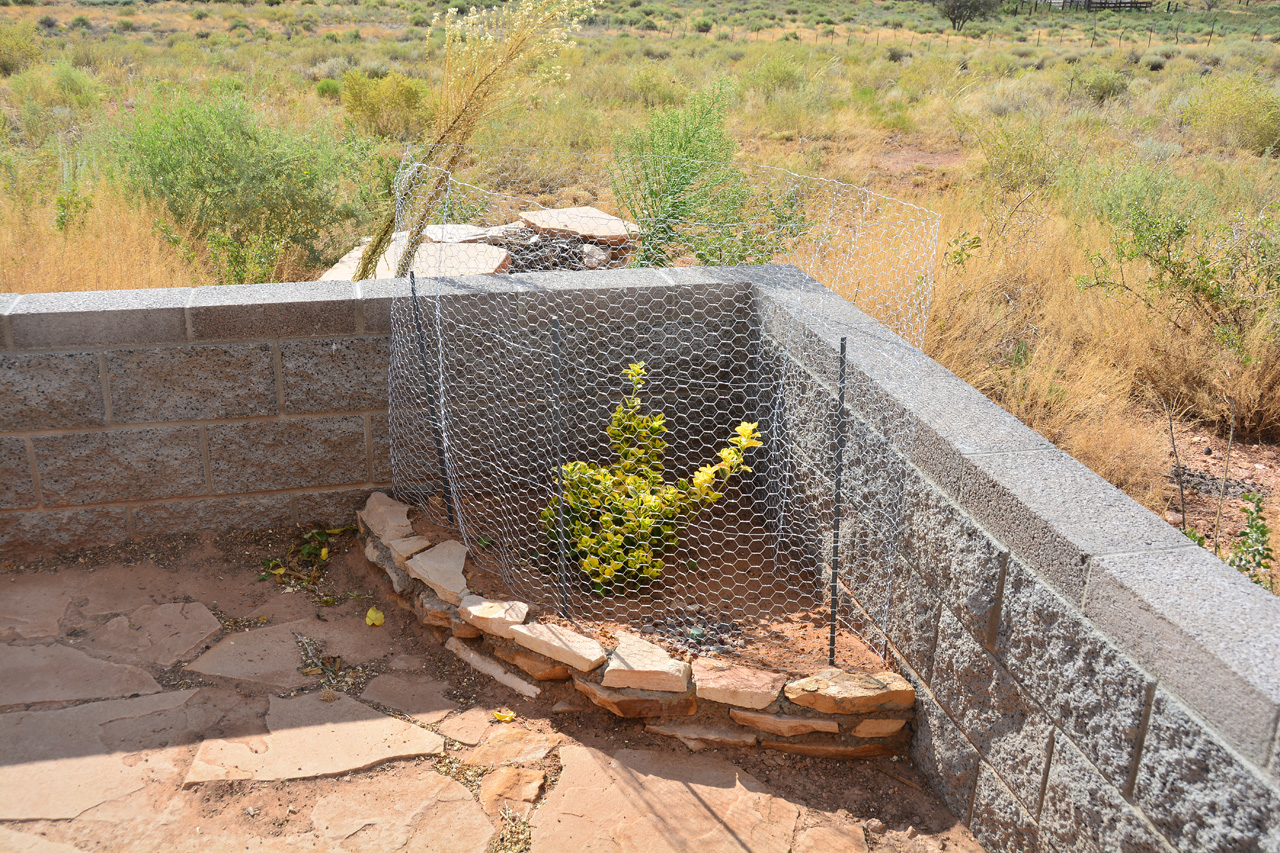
[575, 238]
[829, 714]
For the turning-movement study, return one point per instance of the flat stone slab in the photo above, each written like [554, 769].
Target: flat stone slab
[31, 606]
[516, 788]
[162, 634]
[638, 703]
[493, 617]
[641, 665]
[878, 728]
[783, 725]
[425, 811]
[452, 233]
[641, 800]
[22, 842]
[823, 750]
[511, 744]
[32, 674]
[55, 765]
[589, 223]
[386, 517]
[829, 838]
[469, 727]
[271, 655]
[560, 643]
[455, 259]
[833, 691]
[539, 667]
[406, 547]
[441, 569]
[310, 737]
[417, 696]
[432, 611]
[742, 686]
[700, 736]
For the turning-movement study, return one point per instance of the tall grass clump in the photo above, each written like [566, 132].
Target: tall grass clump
[1238, 111]
[18, 47]
[489, 59]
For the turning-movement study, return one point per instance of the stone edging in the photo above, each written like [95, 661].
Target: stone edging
[829, 714]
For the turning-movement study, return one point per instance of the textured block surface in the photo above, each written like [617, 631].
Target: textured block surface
[335, 374]
[100, 318]
[191, 383]
[17, 487]
[261, 455]
[60, 390]
[132, 464]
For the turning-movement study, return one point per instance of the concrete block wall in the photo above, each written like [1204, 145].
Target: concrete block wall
[1088, 679]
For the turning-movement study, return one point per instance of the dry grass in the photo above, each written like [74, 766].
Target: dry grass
[114, 246]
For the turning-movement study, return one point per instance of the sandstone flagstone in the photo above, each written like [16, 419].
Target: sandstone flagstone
[32, 605]
[639, 664]
[828, 838]
[386, 517]
[560, 643]
[516, 788]
[418, 696]
[271, 655]
[638, 703]
[469, 727]
[31, 674]
[878, 728]
[493, 617]
[162, 634]
[825, 750]
[310, 737]
[589, 223]
[699, 736]
[55, 765]
[441, 569]
[743, 686]
[641, 801]
[541, 668]
[833, 691]
[512, 745]
[785, 725]
[425, 811]
[12, 841]
[406, 547]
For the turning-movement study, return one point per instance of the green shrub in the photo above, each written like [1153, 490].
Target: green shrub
[1103, 84]
[329, 88]
[18, 47]
[702, 25]
[80, 22]
[394, 107]
[1252, 556]
[1238, 112]
[48, 22]
[619, 519]
[239, 183]
[199, 14]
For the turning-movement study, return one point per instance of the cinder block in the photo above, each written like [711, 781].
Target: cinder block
[913, 620]
[255, 312]
[1182, 614]
[288, 454]
[7, 303]
[52, 531]
[1093, 691]
[204, 382]
[60, 390]
[1082, 811]
[1009, 730]
[100, 318]
[336, 507]
[251, 512]
[335, 374]
[1055, 514]
[946, 545]
[380, 443]
[17, 486]
[119, 465]
[376, 296]
[999, 821]
[941, 751]
[1197, 791]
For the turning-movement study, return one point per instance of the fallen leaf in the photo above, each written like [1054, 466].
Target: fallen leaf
[374, 617]
[504, 716]
[324, 553]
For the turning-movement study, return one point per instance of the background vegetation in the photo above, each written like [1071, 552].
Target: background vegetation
[1108, 182]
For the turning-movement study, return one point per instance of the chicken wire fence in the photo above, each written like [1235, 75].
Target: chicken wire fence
[658, 457]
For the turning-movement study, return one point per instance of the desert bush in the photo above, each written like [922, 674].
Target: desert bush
[237, 182]
[18, 47]
[619, 519]
[394, 107]
[1237, 111]
[1103, 84]
[329, 88]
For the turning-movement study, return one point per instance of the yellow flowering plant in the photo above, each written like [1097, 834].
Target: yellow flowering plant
[620, 519]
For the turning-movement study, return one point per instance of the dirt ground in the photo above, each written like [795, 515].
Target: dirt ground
[886, 801]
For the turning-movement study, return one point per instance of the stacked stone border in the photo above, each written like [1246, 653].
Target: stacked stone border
[713, 703]
[1086, 679]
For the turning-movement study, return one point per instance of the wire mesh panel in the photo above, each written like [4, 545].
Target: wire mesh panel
[654, 455]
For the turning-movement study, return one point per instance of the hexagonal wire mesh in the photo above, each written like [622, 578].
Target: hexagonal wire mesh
[511, 418]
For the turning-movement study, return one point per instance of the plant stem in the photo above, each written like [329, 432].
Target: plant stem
[1226, 467]
[1177, 467]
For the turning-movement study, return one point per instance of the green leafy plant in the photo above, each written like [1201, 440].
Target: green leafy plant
[1252, 556]
[620, 519]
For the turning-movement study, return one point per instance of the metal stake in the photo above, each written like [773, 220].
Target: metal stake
[432, 402]
[835, 523]
[558, 430]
